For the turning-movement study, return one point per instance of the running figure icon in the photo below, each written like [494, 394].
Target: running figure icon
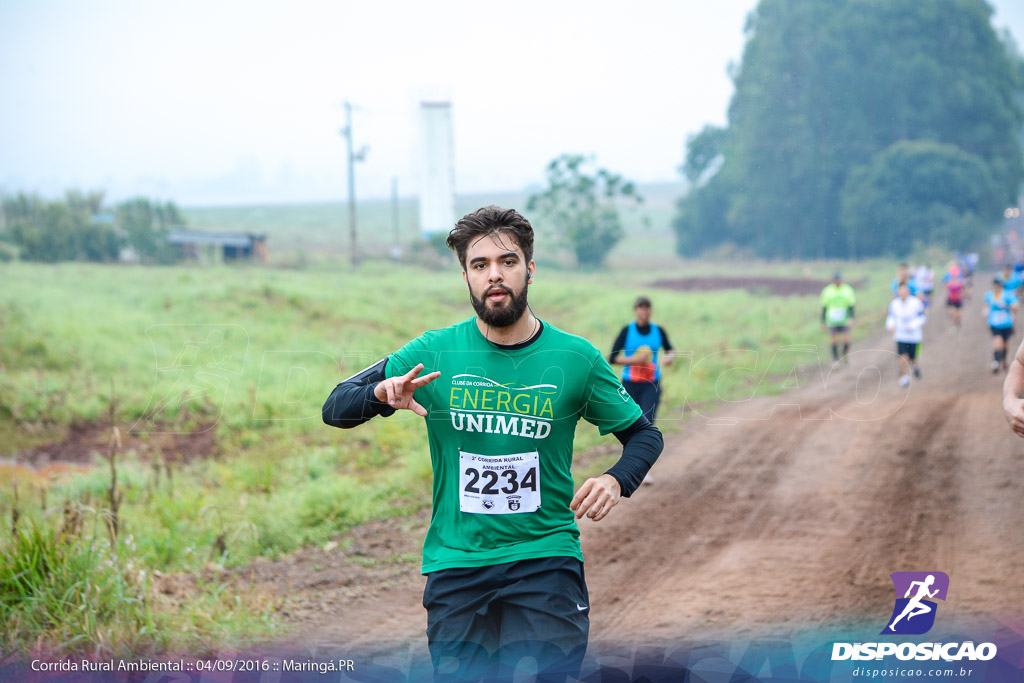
[915, 607]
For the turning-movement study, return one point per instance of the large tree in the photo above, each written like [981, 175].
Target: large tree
[60, 230]
[823, 88]
[146, 224]
[81, 228]
[918, 191]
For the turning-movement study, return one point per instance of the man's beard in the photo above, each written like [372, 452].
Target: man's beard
[505, 315]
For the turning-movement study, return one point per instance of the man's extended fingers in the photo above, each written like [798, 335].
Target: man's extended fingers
[417, 408]
[412, 373]
[426, 379]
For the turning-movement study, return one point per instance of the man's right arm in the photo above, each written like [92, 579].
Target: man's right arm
[353, 402]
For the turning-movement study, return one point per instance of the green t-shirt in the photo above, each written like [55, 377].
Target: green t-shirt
[500, 425]
[837, 302]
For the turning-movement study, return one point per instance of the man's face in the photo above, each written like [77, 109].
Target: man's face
[643, 314]
[904, 292]
[496, 273]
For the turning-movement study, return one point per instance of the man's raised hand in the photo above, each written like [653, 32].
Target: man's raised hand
[398, 391]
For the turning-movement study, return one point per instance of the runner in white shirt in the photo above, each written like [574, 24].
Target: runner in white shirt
[906, 318]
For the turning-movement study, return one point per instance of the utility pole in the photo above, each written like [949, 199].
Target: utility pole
[353, 157]
[396, 251]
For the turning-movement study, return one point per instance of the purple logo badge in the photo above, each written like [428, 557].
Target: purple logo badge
[916, 592]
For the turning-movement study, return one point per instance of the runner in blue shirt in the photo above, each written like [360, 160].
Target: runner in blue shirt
[1000, 305]
[1011, 279]
[903, 276]
[643, 348]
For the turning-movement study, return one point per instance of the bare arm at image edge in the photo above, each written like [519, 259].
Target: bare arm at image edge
[1013, 388]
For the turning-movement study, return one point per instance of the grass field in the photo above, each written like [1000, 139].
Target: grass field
[239, 360]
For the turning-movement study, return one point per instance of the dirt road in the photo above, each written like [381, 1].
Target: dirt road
[779, 514]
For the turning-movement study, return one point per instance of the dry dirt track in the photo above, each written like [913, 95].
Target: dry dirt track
[776, 516]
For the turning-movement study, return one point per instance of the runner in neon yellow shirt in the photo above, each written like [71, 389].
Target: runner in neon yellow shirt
[837, 314]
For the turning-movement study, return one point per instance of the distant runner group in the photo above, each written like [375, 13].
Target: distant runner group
[906, 313]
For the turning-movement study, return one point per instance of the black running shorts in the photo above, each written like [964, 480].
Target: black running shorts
[482, 621]
[1004, 332]
[908, 349]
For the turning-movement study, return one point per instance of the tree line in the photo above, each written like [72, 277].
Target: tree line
[858, 127]
[80, 227]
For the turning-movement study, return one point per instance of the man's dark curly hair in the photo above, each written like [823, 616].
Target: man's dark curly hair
[491, 220]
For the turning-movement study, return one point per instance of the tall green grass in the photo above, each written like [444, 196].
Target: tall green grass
[76, 594]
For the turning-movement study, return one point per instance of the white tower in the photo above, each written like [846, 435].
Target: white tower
[437, 167]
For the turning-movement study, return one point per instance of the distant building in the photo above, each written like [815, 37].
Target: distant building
[234, 246]
[437, 169]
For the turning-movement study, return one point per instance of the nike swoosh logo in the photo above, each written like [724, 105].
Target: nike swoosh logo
[580, 607]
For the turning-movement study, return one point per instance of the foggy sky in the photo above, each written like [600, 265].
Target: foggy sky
[241, 102]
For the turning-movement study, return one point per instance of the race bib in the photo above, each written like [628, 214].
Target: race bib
[837, 314]
[1000, 318]
[642, 372]
[499, 484]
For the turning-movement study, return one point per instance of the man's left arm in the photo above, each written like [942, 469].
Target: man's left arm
[641, 445]
[610, 408]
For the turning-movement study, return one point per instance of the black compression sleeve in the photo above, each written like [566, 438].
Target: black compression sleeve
[352, 402]
[641, 446]
[823, 309]
[620, 343]
[664, 339]
[852, 316]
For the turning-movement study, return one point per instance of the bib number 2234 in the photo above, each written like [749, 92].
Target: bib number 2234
[499, 484]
